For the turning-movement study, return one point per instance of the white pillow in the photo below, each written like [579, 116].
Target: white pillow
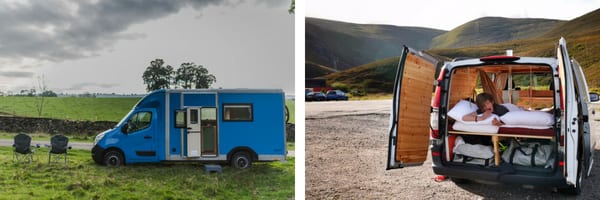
[479, 128]
[511, 107]
[526, 126]
[461, 109]
[532, 118]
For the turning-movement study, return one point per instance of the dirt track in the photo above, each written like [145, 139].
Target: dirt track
[346, 149]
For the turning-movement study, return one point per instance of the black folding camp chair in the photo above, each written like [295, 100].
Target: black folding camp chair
[58, 148]
[22, 150]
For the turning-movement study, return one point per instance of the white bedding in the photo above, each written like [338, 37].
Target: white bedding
[515, 118]
[479, 128]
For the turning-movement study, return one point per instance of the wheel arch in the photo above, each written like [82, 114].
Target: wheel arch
[242, 148]
[115, 149]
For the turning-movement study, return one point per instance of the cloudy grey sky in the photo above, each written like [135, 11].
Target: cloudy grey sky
[105, 45]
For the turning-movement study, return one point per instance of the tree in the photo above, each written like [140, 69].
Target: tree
[190, 75]
[202, 78]
[157, 76]
[185, 75]
[292, 8]
[49, 93]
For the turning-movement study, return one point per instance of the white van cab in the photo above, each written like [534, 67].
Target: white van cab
[544, 138]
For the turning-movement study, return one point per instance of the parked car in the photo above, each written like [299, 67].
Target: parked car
[422, 123]
[336, 95]
[315, 96]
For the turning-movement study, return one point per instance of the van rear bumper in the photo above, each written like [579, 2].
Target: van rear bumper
[555, 179]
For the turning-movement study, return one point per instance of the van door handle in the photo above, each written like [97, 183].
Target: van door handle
[189, 128]
[147, 137]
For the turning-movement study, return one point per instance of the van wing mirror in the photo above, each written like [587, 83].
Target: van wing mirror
[124, 128]
[594, 97]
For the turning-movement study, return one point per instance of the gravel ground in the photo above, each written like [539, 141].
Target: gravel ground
[346, 151]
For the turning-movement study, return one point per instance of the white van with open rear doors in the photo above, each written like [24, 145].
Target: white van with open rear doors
[544, 138]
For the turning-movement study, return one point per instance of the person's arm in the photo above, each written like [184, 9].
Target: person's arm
[471, 117]
[474, 117]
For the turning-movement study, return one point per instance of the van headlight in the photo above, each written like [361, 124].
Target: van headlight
[99, 137]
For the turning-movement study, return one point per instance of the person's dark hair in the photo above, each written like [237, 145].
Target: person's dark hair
[481, 98]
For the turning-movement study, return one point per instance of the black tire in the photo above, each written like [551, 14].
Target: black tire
[287, 115]
[241, 160]
[113, 158]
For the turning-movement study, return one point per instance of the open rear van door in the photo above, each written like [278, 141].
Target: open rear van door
[409, 118]
[584, 99]
[570, 123]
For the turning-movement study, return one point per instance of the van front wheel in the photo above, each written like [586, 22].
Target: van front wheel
[241, 160]
[113, 158]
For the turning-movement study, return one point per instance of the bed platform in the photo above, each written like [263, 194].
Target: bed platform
[512, 132]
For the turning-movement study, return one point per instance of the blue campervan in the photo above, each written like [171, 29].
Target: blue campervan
[239, 126]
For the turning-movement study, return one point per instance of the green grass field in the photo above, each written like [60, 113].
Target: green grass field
[83, 109]
[71, 108]
[82, 179]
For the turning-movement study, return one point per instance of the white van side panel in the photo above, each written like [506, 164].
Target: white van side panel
[570, 122]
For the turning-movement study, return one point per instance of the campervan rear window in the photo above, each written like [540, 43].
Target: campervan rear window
[237, 112]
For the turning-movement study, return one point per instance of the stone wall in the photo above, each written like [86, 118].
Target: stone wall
[52, 126]
[83, 128]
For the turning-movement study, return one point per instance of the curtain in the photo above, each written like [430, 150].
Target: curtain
[501, 79]
[489, 87]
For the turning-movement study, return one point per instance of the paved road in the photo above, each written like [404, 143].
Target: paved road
[316, 110]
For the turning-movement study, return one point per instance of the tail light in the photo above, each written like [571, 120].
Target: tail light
[433, 123]
[435, 104]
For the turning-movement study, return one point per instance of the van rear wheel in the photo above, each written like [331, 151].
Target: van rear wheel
[241, 160]
[113, 158]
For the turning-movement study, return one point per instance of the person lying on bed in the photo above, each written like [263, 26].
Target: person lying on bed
[486, 106]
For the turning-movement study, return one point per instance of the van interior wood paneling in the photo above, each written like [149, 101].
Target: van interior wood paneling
[463, 84]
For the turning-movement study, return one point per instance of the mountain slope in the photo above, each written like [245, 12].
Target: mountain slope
[583, 43]
[341, 45]
[489, 30]
[374, 77]
[585, 24]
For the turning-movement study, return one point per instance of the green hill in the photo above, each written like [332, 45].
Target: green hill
[583, 42]
[374, 77]
[582, 35]
[341, 45]
[583, 48]
[490, 30]
[315, 70]
[584, 25]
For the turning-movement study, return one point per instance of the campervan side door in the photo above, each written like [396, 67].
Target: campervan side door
[193, 131]
[409, 119]
[569, 118]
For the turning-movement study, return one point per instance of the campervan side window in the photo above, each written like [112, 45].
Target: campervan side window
[237, 112]
[180, 119]
[139, 121]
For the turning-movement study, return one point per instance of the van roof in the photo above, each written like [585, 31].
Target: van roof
[237, 90]
[523, 60]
